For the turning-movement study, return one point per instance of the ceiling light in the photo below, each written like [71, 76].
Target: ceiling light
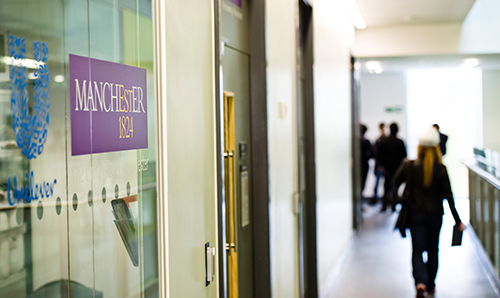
[31, 75]
[374, 67]
[28, 63]
[355, 14]
[471, 62]
[59, 78]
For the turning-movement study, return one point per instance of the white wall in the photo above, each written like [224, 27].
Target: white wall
[480, 29]
[191, 145]
[333, 36]
[378, 92]
[491, 109]
[407, 40]
[280, 31]
[477, 35]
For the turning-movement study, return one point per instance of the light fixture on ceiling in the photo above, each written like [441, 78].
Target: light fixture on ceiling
[31, 75]
[374, 67]
[59, 78]
[28, 63]
[471, 62]
[355, 14]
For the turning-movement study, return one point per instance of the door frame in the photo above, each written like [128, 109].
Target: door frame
[259, 176]
[309, 204]
[160, 94]
[356, 150]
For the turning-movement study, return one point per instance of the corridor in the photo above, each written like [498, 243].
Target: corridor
[377, 263]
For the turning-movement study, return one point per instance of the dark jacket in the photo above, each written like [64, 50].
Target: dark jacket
[366, 151]
[391, 152]
[442, 143]
[376, 150]
[421, 198]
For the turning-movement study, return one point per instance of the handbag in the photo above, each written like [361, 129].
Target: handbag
[457, 236]
[402, 223]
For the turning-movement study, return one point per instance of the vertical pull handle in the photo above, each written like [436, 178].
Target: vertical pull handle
[209, 263]
[229, 148]
[231, 245]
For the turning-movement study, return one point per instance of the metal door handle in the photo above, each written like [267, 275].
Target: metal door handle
[209, 263]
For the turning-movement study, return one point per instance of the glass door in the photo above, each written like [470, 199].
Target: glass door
[77, 149]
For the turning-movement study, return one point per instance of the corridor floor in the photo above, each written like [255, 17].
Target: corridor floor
[378, 263]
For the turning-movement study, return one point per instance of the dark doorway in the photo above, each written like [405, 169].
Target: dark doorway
[308, 277]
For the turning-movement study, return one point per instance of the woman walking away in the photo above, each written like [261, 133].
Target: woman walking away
[427, 184]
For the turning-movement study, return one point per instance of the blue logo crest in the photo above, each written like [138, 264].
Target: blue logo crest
[31, 131]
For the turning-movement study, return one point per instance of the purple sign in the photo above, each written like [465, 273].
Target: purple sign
[236, 2]
[108, 106]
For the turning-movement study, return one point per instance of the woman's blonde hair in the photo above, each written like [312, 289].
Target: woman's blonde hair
[429, 155]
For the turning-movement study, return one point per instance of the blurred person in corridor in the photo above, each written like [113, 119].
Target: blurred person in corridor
[391, 152]
[378, 170]
[442, 140]
[427, 184]
[366, 154]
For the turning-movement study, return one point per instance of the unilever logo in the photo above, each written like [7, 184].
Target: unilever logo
[30, 131]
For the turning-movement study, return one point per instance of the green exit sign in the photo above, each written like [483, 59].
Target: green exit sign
[394, 109]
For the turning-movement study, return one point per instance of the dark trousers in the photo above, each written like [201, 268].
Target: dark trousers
[388, 189]
[364, 174]
[378, 175]
[424, 229]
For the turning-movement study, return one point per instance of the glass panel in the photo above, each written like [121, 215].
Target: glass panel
[496, 263]
[74, 224]
[33, 221]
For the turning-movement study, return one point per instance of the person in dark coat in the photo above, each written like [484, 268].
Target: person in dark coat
[427, 185]
[378, 170]
[392, 151]
[442, 140]
[366, 154]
